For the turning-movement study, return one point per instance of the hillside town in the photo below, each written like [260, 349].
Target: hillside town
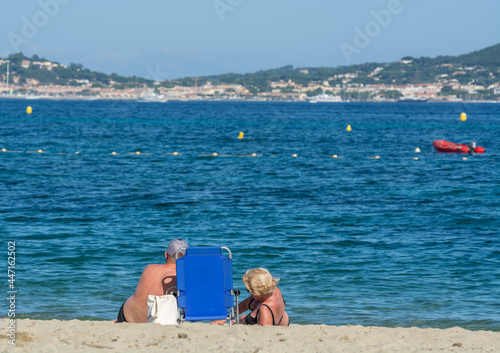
[338, 88]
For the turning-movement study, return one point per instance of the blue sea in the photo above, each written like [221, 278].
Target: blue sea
[389, 241]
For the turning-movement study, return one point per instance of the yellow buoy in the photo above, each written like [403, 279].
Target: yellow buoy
[137, 152]
[417, 150]
[175, 153]
[294, 155]
[463, 117]
[254, 154]
[40, 151]
[214, 154]
[241, 135]
[415, 158]
[465, 158]
[29, 110]
[377, 157]
[335, 156]
[113, 153]
[348, 128]
[4, 150]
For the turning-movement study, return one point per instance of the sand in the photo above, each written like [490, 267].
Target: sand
[97, 336]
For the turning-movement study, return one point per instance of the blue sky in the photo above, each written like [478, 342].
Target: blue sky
[166, 39]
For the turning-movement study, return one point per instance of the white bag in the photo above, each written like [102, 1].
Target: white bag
[162, 310]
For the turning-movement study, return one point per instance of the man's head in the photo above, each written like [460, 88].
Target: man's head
[174, 246]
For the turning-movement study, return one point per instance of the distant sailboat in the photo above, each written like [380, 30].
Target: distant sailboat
[7, 81]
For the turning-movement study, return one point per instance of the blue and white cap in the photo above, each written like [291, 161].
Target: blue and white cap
[175, 245]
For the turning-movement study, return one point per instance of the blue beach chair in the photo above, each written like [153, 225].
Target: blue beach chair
[205, 285]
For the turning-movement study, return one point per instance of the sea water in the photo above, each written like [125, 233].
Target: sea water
[389, 241]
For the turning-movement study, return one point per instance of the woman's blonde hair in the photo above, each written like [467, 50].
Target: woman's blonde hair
[259, 281]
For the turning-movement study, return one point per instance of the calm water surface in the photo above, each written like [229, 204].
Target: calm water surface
[355, 240]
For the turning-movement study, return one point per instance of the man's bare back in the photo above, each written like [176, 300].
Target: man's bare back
[156, 279]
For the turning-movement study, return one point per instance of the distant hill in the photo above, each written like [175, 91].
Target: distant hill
[481, 67]
[473, 67]
[51, 72]
[488, 57]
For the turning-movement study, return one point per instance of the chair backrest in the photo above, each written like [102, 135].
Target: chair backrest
[205, 283]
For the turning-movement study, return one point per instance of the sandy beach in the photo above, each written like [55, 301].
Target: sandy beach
[91, 336]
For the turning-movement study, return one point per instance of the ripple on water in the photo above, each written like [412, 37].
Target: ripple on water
[386, 242]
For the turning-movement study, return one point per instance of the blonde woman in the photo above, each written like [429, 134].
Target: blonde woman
[266, 304]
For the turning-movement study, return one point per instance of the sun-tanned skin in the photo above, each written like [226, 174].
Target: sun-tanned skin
[275, 302]
[156, 279]
[264, 318]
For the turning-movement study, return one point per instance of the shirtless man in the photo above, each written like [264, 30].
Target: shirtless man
[156, 279]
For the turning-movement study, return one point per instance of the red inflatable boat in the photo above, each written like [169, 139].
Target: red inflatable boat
[445, 146]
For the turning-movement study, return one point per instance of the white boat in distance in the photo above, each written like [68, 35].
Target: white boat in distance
[325, 98]
[412, 99]
[151, 97]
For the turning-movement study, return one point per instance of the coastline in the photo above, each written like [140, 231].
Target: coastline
[99, 336]
[128, 100]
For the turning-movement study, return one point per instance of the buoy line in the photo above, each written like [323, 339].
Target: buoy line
[241, 136]
[215, 154]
